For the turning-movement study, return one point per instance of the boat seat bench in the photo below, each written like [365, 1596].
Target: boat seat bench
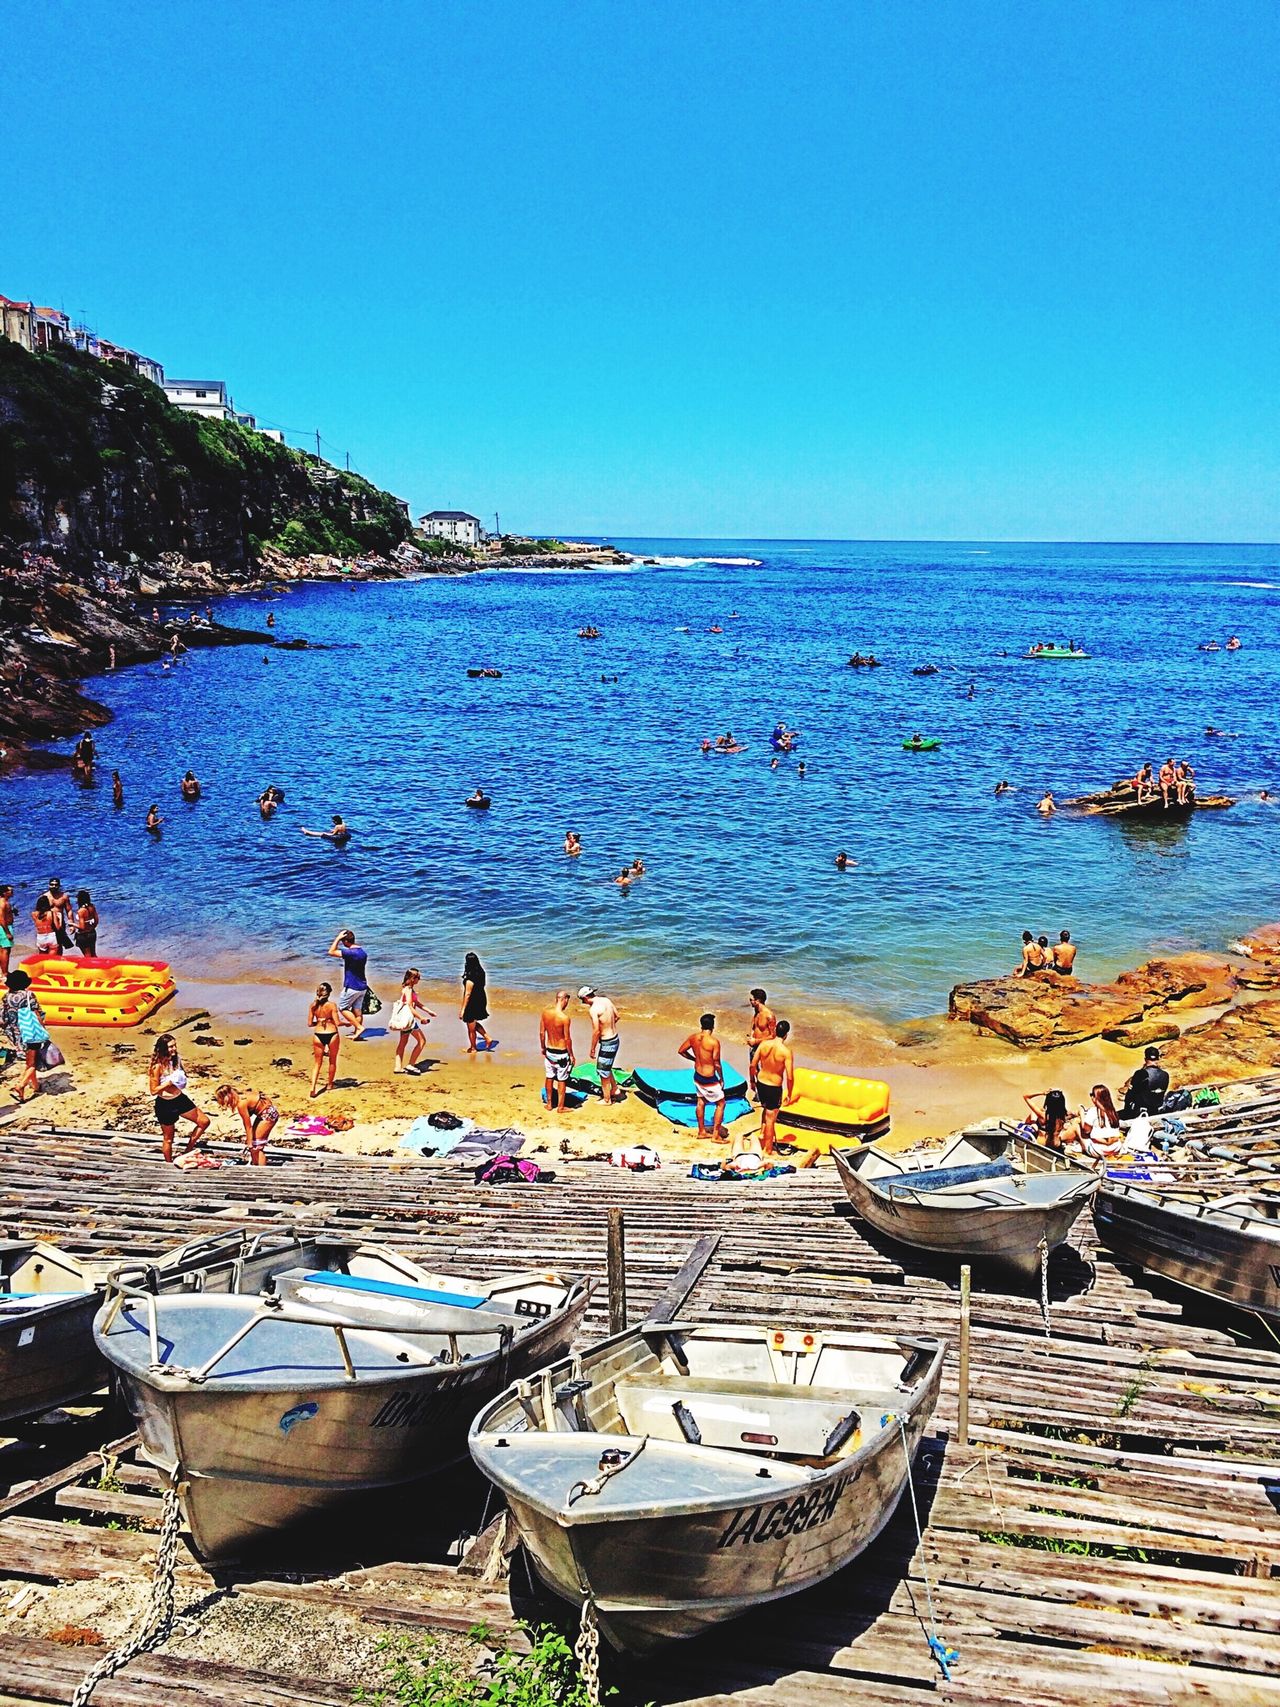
[938, 1179]
[798, 1421]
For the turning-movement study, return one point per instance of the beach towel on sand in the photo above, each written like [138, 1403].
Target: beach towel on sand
[422, 1137]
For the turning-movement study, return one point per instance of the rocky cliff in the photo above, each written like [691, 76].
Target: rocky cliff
[96, 464]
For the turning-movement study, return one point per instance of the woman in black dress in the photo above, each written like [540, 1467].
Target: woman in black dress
[474, 1009]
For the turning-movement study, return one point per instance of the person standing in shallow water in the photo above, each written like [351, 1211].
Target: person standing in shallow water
[475, 1003]
[7, 921]
[86, 924]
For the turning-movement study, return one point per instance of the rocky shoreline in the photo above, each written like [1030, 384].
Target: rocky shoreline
[1047, 1010]
[57, 626]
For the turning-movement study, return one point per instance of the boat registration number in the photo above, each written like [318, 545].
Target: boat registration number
[785, 1517]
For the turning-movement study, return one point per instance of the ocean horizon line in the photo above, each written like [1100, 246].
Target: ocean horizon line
[914, 539]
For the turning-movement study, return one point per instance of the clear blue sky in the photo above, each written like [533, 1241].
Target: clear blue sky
[911, 269]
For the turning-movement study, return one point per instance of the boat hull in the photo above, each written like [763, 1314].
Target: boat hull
[713, 1566]
[1008, 1237]
[259, 1461]
[1198, 1251]
[48, 1358]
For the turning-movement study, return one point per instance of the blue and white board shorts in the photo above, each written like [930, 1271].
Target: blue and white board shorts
[558, 1064]
[606, 1055]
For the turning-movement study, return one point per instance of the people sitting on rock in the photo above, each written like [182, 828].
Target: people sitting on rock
[1064, 953]
[1147, 1088]
[1143, 784]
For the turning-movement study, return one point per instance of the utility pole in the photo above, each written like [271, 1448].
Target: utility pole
[317, 441]
[496, 528]
[348, 462]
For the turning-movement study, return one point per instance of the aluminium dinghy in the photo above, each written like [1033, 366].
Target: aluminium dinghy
[357, 1370]
[1226, 1248]
[986, 1195]
[49, 1297]
[679, 1475]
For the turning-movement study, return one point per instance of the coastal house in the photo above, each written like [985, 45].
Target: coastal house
[49, 328]
[454, 525]
[16, 322]
[143, 365]
[201, 397]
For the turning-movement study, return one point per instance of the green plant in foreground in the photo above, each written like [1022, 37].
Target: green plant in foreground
[416, 1675]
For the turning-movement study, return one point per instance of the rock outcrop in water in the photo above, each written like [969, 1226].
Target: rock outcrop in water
[1048, 1011]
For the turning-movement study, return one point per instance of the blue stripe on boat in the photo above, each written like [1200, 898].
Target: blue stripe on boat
[396, 1289]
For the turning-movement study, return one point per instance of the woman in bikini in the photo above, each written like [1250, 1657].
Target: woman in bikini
[46, 926]
[259, 1115]
[1050, 1118]
[325, 1021]
[168, 1085]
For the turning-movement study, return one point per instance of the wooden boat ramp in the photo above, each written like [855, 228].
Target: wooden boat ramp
[1106, 1535]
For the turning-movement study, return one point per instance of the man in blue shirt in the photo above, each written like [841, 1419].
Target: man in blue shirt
[355, 986]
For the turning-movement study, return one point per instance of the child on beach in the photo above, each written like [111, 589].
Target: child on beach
[259, 1115]
[168, 1085]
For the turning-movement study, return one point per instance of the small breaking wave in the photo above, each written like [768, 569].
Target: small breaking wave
[1270, 586]
[691, 562]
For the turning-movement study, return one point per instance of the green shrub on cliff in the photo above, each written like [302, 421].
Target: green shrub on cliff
[94, 444]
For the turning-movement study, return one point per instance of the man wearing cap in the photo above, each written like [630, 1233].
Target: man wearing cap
[605, 1041]
[1147, 1087]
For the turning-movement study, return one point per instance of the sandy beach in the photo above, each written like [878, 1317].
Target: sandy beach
[252, 1034]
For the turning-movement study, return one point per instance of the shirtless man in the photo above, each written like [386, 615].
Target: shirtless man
[763, 1021]
[62, 906]
[1064, 952]
[773, 1080]
[572, 843]
[605, 1041]
[339, 835]
[1166, 779]
[703, 1049]
[1046, 804]
[624, 878]
[555, 1039]
[1143, 784]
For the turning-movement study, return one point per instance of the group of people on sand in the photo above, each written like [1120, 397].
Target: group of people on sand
[1099, 1130]
[1174, 782]
[1039, 956]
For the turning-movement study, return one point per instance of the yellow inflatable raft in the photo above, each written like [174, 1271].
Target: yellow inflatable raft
[93, 991]
[832, 1108]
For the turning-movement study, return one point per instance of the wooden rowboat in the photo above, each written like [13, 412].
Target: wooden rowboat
[984, 1195]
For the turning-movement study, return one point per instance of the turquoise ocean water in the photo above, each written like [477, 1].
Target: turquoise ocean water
[382, 723]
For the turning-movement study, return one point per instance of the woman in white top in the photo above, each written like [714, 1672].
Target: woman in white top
[1100, 1134]
[408, 1017]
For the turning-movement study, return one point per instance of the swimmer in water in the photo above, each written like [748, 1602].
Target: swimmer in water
[572, 843]
[800, 769]
[637, 867]
[843, 862]
[624, 879]
[271, 619]
[1004, 788]
[190, 786]
[1046, 804]
[117, 790]
[773, 763]
[153, 818]
[339, 835]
